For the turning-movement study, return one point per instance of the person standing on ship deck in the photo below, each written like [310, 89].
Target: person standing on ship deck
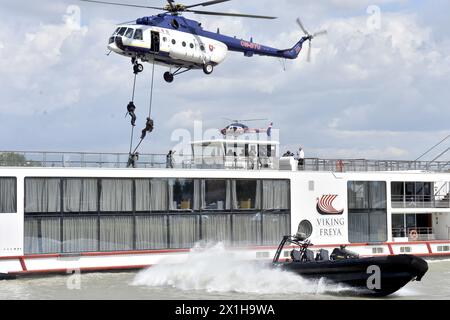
[301, 158]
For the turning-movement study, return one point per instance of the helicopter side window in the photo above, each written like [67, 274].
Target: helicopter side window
[129, 33]
[202, 47]
[138, 34]
[184, 44]
[192, 46]
[174, 41]
[122, 31]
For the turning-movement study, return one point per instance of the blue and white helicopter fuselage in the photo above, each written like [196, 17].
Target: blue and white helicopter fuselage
[174, 41]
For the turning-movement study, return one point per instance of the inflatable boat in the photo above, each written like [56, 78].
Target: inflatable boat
[374, 276]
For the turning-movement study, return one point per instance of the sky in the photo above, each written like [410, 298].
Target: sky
[377, 86]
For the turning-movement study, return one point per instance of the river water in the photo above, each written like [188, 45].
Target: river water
[214, 274]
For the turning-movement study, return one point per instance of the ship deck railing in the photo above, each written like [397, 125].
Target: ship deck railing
[120, 160]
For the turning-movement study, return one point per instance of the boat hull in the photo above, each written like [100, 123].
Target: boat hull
[360, 274]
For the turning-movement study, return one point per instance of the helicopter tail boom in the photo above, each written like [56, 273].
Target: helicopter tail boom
[295, 50]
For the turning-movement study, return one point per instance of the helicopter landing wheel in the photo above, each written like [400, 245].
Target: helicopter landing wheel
[208, 68]
[168, 77]
[138, 68]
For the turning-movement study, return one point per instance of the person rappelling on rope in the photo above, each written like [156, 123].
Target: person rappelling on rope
[133, 157]
[131, 108]
[148, 128]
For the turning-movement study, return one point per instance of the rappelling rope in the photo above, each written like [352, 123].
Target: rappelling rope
[150, 104]
[132, 100]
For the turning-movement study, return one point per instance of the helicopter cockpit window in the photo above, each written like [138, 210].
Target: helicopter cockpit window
[116, 32]
[122, 31]
[138, 34]
[129, 33]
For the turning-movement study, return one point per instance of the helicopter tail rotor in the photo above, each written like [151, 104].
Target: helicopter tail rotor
[310, 37]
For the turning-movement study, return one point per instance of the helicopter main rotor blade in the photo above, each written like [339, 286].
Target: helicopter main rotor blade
[308, 59]
[205, 4]
[230, 14]
[302, 27]
[320, 33]
[123, 4]
[127, 22]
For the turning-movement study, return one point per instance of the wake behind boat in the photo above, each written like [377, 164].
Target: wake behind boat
[373, 276]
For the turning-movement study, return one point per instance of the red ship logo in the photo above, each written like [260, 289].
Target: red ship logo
[325, 205]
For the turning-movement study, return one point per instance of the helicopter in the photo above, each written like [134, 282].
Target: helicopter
[237, 128]
[171, 40]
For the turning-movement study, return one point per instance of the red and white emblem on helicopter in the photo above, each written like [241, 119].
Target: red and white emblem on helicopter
[325, 205]
[211, 48]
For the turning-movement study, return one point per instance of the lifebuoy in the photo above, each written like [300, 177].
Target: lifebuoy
[340, 166]
[413, 234]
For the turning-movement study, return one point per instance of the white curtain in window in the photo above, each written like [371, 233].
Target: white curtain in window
[216, 228]
[116, 233]
[80, 234]
[158, 195]
[184, 231]
[42, 195]
[42, 235]
[275, 194]
[275, 226]
[246, 229]
[358, 227]
[31, 241]
[258, 195]
[378, 195]
[116, 196]
[196, 195]
[228, 196]
[378, 226]
[8, 196]
[234, 195]
[151, 232]
[80, 195]
[143, 195]
[151, 195]
[172, 203]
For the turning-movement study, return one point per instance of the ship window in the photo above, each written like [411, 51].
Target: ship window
[246, 194]
[138, 35]
[8, 195]
[79, 195]
[115, 195]
[151, 195]
[122, 31]
[42, 195]
[215, 195]
[129, 33]
[183, 194]
[275, 194]
[367, 211]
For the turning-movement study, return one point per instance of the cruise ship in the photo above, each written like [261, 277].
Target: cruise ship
[61, 212]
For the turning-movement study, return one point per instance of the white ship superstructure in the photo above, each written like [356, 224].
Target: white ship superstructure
[69, 211]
